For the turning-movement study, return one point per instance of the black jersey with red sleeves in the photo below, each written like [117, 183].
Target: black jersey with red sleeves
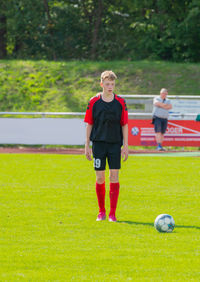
[107, 118]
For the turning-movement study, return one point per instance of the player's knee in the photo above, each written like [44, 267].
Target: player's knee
[100, 179]
[114, 178]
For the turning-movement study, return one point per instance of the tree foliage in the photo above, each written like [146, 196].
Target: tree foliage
[100, 29]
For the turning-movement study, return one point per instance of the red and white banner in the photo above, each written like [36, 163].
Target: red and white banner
[179, 133]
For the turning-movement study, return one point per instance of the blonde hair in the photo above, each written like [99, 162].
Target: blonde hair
[163, 90]
[109, 75]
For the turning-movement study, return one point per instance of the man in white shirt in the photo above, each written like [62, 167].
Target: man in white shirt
[162, 105]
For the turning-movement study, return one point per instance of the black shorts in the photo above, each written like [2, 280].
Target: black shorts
[160, 125]
[110, 151]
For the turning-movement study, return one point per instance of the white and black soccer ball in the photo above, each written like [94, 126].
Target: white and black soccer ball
[164, 223]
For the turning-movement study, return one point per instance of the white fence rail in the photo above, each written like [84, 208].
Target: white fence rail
[189, 97]
[73, 114]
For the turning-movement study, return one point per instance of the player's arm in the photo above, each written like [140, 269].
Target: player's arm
[87, 142]
[89, 124]
[124, 152]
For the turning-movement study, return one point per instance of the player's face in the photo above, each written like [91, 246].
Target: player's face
[108, 86]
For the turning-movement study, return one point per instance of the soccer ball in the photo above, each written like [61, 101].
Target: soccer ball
[164, 223]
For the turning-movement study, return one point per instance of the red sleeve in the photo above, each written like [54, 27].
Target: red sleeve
[124, 116]
[88, 115]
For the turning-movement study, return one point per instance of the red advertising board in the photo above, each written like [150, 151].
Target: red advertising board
[179, 133]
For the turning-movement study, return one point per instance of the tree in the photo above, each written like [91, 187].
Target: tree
[100, 29]
[3, 29]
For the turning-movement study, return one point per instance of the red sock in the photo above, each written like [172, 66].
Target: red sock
[100, 191]
[114, 193]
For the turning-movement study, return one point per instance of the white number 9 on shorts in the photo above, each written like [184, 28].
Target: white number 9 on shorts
[97, 163]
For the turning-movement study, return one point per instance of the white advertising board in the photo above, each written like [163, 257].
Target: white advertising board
[185, 107]
[35, 131]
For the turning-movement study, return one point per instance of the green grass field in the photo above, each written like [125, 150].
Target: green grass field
[48, 230]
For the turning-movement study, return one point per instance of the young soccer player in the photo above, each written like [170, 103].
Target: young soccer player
[107, 127]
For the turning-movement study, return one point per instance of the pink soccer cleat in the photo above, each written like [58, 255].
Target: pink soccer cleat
[101, 216]
[112, 218]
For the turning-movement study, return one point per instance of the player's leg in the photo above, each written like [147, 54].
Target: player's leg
[114, 161]
[114, 175]
[114, 193]
[98, 149]
[100, 177]
[100, 192]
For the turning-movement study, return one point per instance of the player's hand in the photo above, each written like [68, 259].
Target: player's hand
[124, 153]
[88, 152]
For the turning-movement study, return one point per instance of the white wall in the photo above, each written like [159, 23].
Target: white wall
[33, 131]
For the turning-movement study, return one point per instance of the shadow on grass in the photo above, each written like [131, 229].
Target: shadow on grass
[151, 224]
[185, 226]
[135, 223]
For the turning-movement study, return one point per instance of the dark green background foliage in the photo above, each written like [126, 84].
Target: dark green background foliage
[100, 29]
